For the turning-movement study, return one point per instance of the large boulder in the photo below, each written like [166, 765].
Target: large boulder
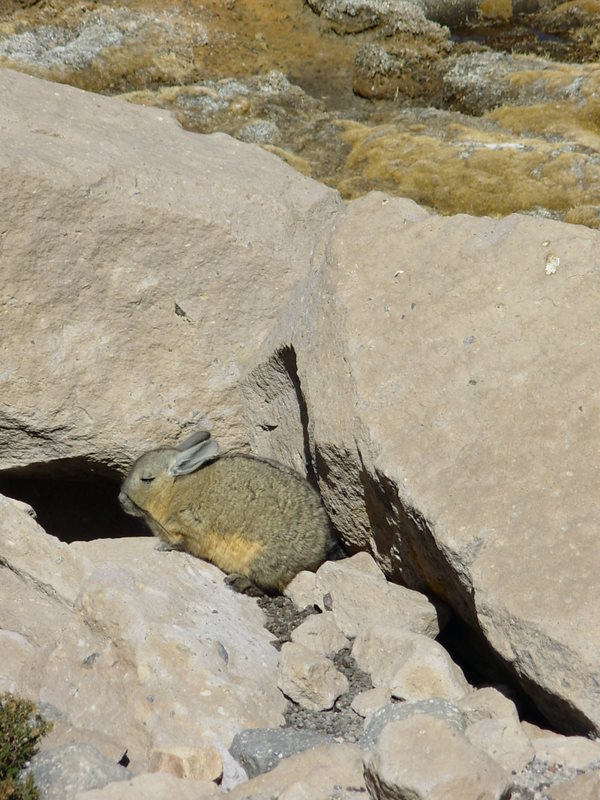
[436, 376]
[142, 267]
[453, 424]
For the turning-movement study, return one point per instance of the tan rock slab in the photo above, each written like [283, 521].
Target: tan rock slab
[308, 678]
[162, 259]
[318, 774]
[409, 665]
[154, 652]
[469, 460]
[534, 731]
[424, 758]
[39, 559]
[487, 703]
[503, 740]
[155, 786]
[199, 763]
[583, 787]
[571, 752]
[359, 597]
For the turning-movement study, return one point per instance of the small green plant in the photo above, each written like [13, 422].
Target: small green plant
[21, 726]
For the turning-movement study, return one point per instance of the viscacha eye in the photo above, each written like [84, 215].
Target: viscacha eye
[147, 478]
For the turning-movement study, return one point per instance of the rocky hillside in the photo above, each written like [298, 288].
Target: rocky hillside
[465, 106]
[434, 376]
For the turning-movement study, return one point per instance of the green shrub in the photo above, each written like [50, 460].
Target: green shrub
[21, 726]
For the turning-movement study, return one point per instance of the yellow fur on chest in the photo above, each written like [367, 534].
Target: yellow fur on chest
[231, 553]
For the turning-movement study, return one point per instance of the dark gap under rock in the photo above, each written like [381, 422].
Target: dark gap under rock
[73, 500]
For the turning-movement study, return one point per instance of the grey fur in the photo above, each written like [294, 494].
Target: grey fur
[253, 518]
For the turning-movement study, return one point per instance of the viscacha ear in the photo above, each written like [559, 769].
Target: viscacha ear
[194, 456]
[195, 438]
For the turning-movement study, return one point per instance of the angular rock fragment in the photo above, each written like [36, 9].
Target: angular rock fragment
[503, 740]
[320, 633]
[198, 763]
[424, 758]
[301, 590]
[411, 666]
[309, 679]
[358, 595]
[392, 712]
[328, 771]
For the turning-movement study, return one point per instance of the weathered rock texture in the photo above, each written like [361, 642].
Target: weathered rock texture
[408, 763]
[436, 375]
[463, 351]
[175, 268]
[158, 653]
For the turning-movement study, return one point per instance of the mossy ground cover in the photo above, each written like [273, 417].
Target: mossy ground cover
[21, 728]
[534, 147]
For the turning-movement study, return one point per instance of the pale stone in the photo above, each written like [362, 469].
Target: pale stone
[411, 666]
[487, 703]
[309, 679]
[424, 758]
[156, 786]
[320, 633]
[445, 710]
[301, 590]
[199, 763]
[534, 731]
[39, 559]
[259, 750]
[503, 740]
[366, 703]
[467, 454]
[319, 774]
[583, 787]
[359, 597]
[155, 651]
[571, 752]
[161, 255]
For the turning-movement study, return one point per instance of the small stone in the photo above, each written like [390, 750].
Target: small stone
[372, 700]
[411, 666]
[503, 740]
[361, 598]
[199, 763]
[309, 679]
[320, 634]
[301, 590]
[258, 750]
[571, 752]
[487, 703]
[392, 712]
[314, 774]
